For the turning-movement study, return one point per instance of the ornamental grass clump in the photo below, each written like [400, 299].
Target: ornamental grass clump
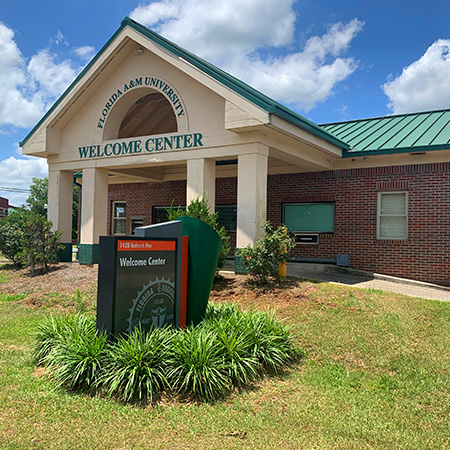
[227, 350]
[50, 332]
[74, 355]
[271, 341]
[235, 343]
[196, 367]
[135, 365]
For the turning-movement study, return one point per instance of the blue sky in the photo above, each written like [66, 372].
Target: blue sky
[328, 60]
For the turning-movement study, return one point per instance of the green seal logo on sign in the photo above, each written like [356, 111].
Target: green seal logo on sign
[153, 305]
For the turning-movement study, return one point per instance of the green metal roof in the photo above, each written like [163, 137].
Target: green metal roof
[404, 133]
[252, 95]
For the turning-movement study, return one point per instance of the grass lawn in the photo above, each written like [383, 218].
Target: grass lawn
[376, 377]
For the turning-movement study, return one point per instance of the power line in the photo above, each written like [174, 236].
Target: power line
[13, 189]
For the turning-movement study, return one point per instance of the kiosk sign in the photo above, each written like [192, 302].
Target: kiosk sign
[137, 284]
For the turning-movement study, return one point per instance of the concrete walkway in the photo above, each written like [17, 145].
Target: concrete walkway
[360, 279]
[357, 278]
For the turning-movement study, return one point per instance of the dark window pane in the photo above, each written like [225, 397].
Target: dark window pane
[227, 216]
[160, 213]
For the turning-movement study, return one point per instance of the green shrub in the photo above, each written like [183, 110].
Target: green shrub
[26, 239]
[135, 365]
[266, 254]
[199, 209]
[73, 351]
[12, 236]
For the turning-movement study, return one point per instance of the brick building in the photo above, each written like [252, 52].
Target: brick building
[4, 207]
[147, 124]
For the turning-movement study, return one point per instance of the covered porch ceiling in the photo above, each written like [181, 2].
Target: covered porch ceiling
[162, 172]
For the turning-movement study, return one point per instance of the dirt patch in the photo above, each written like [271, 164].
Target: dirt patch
[279, 295]
[63, 279]
[12, 347]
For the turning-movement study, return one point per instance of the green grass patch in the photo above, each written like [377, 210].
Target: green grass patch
[11, 297]
[375, 376]
[4, 276]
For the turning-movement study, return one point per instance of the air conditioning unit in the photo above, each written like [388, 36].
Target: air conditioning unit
[303, 238]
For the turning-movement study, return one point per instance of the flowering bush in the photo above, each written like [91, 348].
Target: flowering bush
[266, 254]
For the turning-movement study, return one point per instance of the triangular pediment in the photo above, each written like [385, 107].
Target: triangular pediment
[244, 108]
[126, 43]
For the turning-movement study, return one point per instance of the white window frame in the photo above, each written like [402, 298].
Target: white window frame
[379, 215]
[114, 219]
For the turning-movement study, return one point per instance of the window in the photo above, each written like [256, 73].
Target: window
[119, 218]
[392, 218]
[136, 221]
[227, 216]
[309, 217]
[160, 213]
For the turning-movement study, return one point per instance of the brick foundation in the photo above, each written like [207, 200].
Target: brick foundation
[424, 255]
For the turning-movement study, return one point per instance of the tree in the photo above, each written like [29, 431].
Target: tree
[38, 198]
[26, 239]
[37, 201]
[75, 211]
[199, 209]
[40, 243]
[12, 235]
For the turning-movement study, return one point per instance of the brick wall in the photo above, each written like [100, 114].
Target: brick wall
[424, 255]
[141, 197]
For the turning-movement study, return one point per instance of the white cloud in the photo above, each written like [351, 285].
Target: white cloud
[220, 29]
[242, 37]
[87, 52]
[52, 77]
[18, 173]
[59, 39]
[308, 77]
[16, 107]
[29, 88]
[424, 84]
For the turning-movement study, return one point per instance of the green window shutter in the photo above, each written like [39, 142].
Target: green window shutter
[309, 217]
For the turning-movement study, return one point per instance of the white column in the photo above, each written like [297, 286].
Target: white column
[94, 205]
[201, 181]
[251, 195]
[59, 212]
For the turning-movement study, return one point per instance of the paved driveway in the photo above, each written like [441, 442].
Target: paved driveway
[364, 280]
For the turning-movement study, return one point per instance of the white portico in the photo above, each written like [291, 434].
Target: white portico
[145, 110]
